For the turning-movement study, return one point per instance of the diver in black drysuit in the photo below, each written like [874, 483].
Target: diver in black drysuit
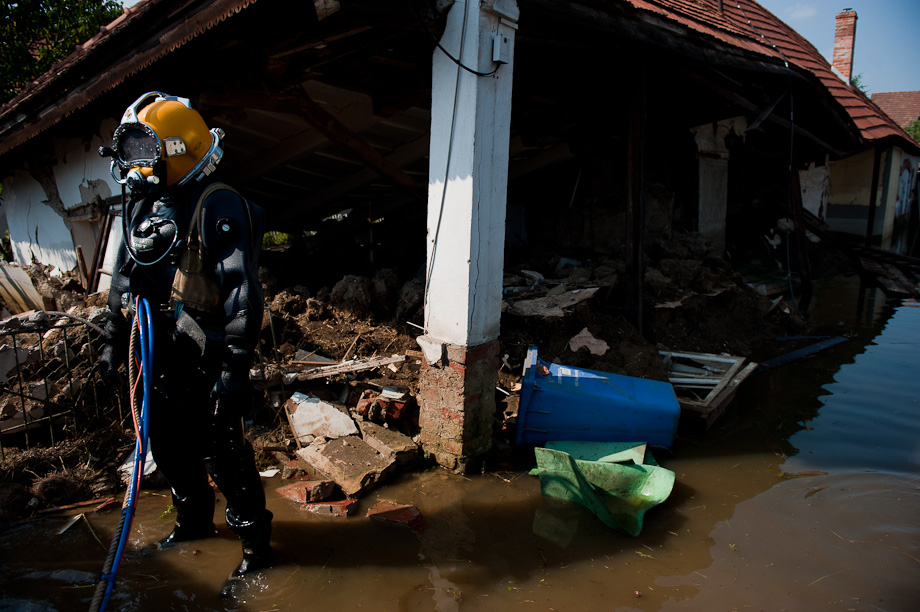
[201, 360]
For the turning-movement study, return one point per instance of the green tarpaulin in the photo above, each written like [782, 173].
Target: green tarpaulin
[617, 481]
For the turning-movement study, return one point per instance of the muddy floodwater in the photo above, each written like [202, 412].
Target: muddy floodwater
[804, 496]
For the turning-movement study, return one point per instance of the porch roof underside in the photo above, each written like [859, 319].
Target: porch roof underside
[329, 110]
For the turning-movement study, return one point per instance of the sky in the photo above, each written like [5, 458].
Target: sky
[887, 37]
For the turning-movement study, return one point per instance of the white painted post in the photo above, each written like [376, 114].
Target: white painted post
[468, 173]
[467, 189]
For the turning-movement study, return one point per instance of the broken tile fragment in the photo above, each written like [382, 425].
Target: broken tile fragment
[336, 509]
[397, 514]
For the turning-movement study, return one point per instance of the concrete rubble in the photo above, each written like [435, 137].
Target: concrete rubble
[311, 417]
[352, 463]
[332, 444]
[342, 367]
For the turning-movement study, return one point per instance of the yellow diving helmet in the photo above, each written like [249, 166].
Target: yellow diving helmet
[163, 142]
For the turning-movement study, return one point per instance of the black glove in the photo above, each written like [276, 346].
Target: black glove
[232, 390]
[114, 336]
[108, 368]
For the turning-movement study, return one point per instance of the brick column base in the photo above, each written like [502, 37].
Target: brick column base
[457, 404]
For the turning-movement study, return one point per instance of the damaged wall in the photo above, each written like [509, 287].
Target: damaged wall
[81, 173]
[42, 221]
[37, 232]
[850, 195]
[815, 182]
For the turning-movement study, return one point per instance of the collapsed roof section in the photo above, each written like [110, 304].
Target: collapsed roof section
[328, 104]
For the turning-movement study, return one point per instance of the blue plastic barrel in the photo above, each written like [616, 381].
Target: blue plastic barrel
[569, 403]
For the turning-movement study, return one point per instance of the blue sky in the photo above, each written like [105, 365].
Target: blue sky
[887, 36]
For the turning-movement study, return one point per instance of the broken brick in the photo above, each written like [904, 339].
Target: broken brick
[397, 514]
[337, 509]
[307, 490]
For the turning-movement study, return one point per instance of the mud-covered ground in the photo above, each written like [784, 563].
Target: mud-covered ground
[691, 302]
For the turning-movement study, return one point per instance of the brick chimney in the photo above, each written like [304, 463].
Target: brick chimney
[845, 42]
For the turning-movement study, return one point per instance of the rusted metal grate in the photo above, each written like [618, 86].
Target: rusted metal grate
[47, 379]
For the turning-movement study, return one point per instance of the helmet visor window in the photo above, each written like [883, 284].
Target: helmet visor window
[135, 146]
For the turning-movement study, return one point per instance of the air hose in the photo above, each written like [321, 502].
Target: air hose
[140, 374]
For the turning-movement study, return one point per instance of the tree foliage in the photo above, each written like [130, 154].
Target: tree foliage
[913, 130]
[35, 34]
[857, 83]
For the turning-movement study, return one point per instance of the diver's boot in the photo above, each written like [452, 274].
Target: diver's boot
[184, 532]
[257, 553]
[194, 520]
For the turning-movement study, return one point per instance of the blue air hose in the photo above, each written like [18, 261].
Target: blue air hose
[140, 353]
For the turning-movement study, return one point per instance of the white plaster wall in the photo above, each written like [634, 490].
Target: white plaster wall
[814, 182]
[906, 181]
[36, 231]
[713, 176]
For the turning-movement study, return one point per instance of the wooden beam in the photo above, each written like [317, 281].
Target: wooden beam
[358, 365]
[635, 205]
[753, 107]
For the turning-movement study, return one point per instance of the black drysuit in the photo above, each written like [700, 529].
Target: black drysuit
[201, 386]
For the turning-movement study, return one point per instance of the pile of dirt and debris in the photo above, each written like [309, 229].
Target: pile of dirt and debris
[352, 346]
[691, 302]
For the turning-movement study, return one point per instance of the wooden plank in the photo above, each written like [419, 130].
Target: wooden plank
[17, 290]
[353, 366]
[727, 378]
[720, 402]
[695, 381]
[701, 356]
[99, 502]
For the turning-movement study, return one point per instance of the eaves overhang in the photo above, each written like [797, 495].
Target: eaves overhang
[735, 34]
[144, 34]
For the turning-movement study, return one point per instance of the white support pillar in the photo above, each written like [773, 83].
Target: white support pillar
[467, 188]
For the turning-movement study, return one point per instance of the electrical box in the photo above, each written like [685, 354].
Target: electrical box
[501, 43]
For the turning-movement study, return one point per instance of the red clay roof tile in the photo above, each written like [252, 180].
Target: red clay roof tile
[902, 106]
[747, 25]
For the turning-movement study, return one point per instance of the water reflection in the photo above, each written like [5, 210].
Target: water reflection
[838, 528]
